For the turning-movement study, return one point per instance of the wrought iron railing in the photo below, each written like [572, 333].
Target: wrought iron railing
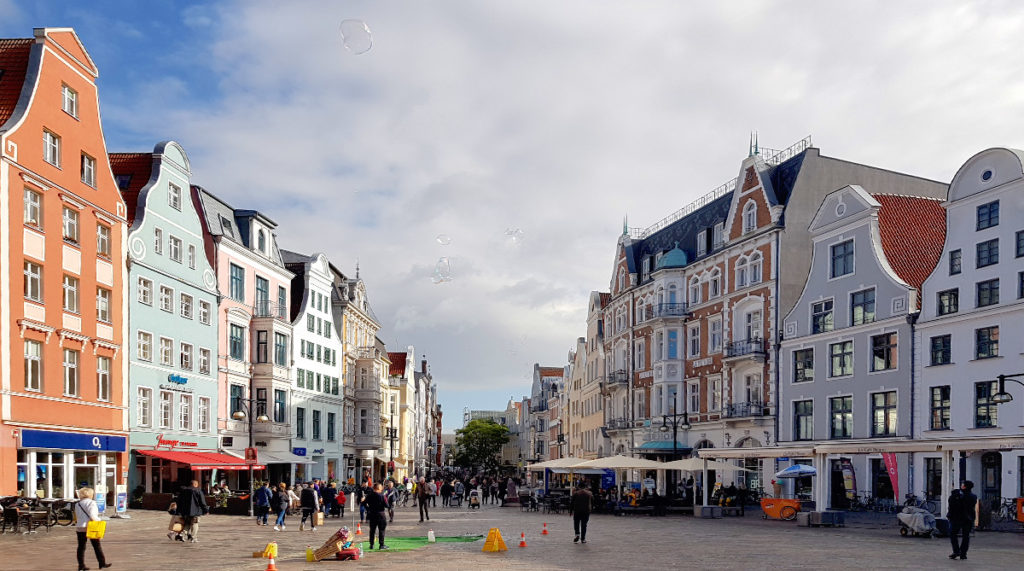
[754, 346]
[745, 409]
[267, 308]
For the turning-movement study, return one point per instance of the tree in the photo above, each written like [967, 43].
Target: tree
[479, 443]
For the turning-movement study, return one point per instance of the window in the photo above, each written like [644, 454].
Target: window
[941, 350]
[862, 307]
[70, 294]
[883, 414]
[702, 243]
[204, 361]
[70, 373]
[144, 349]
[821, 316]
[940, 408]
[192, 256]
[955, 258]
[174, 197]
[984, 409]
[51, 148]
[300, 422]
[988, 253]
[166, 409]
[949, 301]
[715, 394]
[261, 347]
[319, 326]
[33, 209]
[280, 349]
[754, 273]
[884, 353]
[988, 215]
[185, 357]
[33, 365]
[310, 323]
[694, 291]
[237, 283]
[237, 396]
[145, 291]
[263, 297]
[841, 409]
[103, 240]
[69, 100]
[261, 241]
[316, 425]
[70, 221]
[166, 351]
[158, 241]
[103, 378]
[330, 426]
[327, 329]
[280, 405]
[988, 292]
[842, 259]
[236, 343]
[803, 365]
[986, 342]
[33, 282]
[717, 235]
[749, 217]
[842, 359]
[282, 301]
[88, 170]
[103, 305]
[203, 417]
[226, 227]
[715, 285]
[933, 478]
[185, 412]
[1020, 285]
[174, 248]
[752, 325]
[167, 299]
[715, 336]
[803, 420]
[185, 306]
[204, 312]
[1020, 243]
[144, 407]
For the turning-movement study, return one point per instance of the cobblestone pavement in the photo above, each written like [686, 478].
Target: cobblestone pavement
[629, 542]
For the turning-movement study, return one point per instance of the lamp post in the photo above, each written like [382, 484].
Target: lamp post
[677, 421]
[1003, 397]
[392, 433]
[244, 411]
[430, 455]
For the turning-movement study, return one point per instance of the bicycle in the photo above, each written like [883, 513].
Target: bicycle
[63, 512]
[1007, 510]
[914, 502]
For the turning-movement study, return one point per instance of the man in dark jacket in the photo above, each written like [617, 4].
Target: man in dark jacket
[446, 494]
[192, 504]
[261, 497]
[376, 511]
[422, 497]
[581, 503]
[309, 501]
[329, 495]
[962, 512]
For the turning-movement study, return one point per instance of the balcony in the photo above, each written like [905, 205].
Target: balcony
[394, 382]
[747, 410]
[754, 348]
[619, 424]
[267, 308]
[366, 353]
[539, 407]
[370, 395]
[670, 310]
[368, 442]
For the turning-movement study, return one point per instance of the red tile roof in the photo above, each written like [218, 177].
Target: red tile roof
[551, 371]
[913, 233]
[137, 166]
[14, 55]
[397, 364]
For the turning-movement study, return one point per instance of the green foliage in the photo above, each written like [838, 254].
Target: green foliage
[479, 443]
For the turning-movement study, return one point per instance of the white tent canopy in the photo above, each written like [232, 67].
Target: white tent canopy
[621, 461]
[569, 462]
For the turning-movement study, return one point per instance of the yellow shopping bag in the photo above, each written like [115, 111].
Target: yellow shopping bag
[95, 529]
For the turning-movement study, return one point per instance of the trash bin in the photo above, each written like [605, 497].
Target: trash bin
[1020, 510]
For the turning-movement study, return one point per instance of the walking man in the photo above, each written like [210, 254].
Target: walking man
[376, 512]
[309, 501]
[581, 503]
[261, 498]
[422, 497]
[391, 495]
[962, 515]
[192, 504]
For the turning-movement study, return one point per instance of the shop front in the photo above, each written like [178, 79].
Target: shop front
[56, 464]
[154, 474]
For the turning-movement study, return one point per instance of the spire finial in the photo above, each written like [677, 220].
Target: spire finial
[625, 225]
[357, 268]
[750, 145]
[756, 151]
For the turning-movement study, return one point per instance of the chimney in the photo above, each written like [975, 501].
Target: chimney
[423, 365]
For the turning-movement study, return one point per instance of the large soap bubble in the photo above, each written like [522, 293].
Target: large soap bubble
[355, 36]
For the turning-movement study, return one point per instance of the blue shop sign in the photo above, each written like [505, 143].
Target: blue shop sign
[73, 441]
[299, 451]
[177, 379]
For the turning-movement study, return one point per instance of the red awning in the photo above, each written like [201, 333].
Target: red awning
[202, 460]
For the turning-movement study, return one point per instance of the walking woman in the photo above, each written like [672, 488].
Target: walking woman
[86, 511]
[280, 502]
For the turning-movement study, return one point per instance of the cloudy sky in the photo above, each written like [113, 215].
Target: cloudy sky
[512, 138]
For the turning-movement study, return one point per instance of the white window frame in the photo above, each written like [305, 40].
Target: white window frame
[205, 356]
[715, 335]
[204, 312]
[158, 241]
[167, 299]
[51, 147]
[749, 217]
[33, 281]
[185, 305]
[693, 397]
[166, 351]
[71, 295]
[693, 340]
[145, 293]
[166, 413]
[32, 209]
[144, 346]
[33, 365]
[103, 240]
[69, 100]
[185, 412]
[695, 290]
[88, 170]
[174, 248]
[192, 256]
[103, 378]
[714, 394]
[103, 297]
[144, 407]
[174, 196]
[754, 269]
[185, 356]
[69, 219]
[71, 375]
[203, 417]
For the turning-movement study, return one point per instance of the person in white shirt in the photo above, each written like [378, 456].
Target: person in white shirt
[86, 510]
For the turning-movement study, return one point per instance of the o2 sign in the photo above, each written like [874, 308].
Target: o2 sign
[73, 441]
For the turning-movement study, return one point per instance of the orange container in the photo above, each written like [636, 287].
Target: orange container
[778, 508]
[1020, 510]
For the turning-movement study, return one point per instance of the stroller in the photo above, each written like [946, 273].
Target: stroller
[918, 522]
[474, 499]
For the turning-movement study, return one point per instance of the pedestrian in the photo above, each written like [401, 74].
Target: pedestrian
[494, 491]
[86, 510]
[376, 510]
[962, 515]
[261, 497]
[191, 505]
[460, 491]
[485, 489]
[329, 495]
[422, 497]
[363, 491]
[339, 503]
[432, 490]
[446, 494]
[280, 502]
[293, 497]
[580, 505]
[391, 494]
[309, 501]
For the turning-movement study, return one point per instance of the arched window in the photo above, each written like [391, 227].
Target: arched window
[715, 284]
[640, 311]
[755, 268]
[694, 290]
[741, 272]
[261, 241]
[749, 217]
[672, 297]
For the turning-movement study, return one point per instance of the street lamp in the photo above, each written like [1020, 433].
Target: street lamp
[1003, 397]
[245, 407]
[677, 421]
[430, 455]
[392, 433]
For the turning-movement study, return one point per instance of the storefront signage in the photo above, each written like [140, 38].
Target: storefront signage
[318, 451]
[178, 388]
[72, 441]
[122, 498]
[160, 441]
[177, 379]
[299, 451]
[703, 362]
[646, 374]
[101, 497]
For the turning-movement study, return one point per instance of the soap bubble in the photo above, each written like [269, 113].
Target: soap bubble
[443, 239]
[442, 271]
[514, 235]
[355, 35]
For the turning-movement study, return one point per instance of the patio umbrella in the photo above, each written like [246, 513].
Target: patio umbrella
[621, 461]
[797, 471]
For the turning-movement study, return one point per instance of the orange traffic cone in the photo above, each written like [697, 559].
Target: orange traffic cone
[522, 539]
[359, 529]
[545, 532]
[271, 566]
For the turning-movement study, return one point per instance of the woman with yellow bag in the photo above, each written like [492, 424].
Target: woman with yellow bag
[90, 527]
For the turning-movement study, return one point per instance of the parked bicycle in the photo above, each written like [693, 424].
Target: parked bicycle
[1007, 510]
[913, 501]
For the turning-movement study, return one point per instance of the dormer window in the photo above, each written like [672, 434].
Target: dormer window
[749, 217]
[702, 243]
[123, 180]
[226, 227]
[717, 236]
[261, 241]
[646, 266]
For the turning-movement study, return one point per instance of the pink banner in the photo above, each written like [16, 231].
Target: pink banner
[894, 474]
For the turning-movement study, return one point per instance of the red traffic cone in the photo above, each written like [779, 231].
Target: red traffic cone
[271, 566]
[545, 532]
[522, 539]
[359, 529]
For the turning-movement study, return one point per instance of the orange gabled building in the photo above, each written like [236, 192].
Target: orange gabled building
[63, 407]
